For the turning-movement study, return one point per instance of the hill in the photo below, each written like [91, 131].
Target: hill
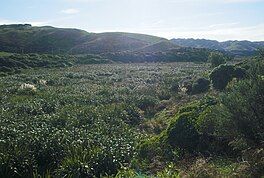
[236, 48]
[113, 46]
[28, 39]
[24, 38]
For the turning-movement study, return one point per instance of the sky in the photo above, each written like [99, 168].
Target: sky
[210, 19]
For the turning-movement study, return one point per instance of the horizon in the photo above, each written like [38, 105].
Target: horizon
[129, 32]
[221, 20]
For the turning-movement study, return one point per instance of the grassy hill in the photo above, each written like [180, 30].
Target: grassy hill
[24, 38]
[28, 39]
[69, 44]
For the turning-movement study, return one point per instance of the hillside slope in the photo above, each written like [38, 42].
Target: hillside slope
[113, 46]
[28, 39]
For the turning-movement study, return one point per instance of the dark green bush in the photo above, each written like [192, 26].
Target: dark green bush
[221, 75]
[149, 148]
[201, 85]
[182, 133]
[245, 104]
[238, 118]
[188, 86]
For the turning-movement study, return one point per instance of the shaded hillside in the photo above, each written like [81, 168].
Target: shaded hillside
[239, 48]
[114, 42]
[25, 38]
[28, 39]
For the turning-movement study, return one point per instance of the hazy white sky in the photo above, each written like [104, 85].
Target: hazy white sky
[211, 19]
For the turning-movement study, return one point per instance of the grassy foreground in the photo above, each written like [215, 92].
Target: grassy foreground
[130, 120]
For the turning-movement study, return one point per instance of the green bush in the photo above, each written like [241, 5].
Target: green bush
[201, 85]
[182, 132]
[187, 86]
[221, 75]
[245, 104]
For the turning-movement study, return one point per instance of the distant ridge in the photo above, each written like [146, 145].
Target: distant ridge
[239, 48]
[25, 38]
